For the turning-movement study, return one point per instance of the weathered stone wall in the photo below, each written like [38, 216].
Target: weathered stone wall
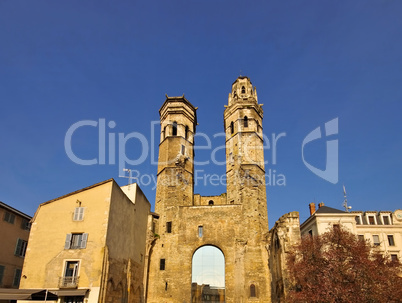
[284, 234]
[236, 222]
[246, 257]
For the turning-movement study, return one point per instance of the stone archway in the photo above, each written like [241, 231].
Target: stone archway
[208, 275]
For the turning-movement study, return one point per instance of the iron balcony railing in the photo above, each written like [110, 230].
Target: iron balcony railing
[68, 282]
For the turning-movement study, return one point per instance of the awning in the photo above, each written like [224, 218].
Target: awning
[26, 294]
[70, 292]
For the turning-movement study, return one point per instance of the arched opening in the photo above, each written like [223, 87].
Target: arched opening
[245, 121]
[231, 127]
[208, 275]
[243, 90]
[174, 130]
[252, 291]
[211, 202]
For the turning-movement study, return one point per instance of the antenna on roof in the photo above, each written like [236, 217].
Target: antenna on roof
[345, 201]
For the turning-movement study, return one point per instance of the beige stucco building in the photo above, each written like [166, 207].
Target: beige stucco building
[382, 228]
[89, 245]
[14, 227]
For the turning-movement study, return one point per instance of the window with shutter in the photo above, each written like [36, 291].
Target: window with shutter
[2, 268]
[9, 217]
[20, 248]
[17, 277]
[76, 241]
[79, 214]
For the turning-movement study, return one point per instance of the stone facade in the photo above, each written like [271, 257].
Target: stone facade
[284, 234]
[235, 222]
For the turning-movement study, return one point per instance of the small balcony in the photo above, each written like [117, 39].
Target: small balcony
[68, 282]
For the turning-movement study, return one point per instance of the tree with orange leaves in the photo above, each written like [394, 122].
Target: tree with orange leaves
[337, 267]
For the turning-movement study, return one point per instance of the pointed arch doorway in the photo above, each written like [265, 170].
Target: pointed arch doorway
[208, 275]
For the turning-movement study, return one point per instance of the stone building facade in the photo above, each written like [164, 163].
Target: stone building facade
[383, 229]
[235, 222]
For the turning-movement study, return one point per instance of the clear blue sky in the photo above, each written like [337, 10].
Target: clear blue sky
[312, 61]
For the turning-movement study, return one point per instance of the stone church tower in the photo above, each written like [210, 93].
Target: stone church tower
[234, 223]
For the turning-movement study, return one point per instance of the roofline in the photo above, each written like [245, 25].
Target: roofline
[325, 215]
[10, 208]
[70, 194]
[178, 98]
[241, 77]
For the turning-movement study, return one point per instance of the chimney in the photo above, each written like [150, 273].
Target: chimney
[312, 208]
[320, 204]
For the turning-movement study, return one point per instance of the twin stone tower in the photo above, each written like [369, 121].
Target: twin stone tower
[231, 227]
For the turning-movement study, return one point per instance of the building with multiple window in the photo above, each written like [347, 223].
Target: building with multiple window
[89, 245]
[14, 227]
[382, 228]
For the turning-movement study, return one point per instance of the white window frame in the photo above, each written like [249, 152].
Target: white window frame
[360, 219]
[77, 273]
[368, 220]
[379, 242]
[389, 219]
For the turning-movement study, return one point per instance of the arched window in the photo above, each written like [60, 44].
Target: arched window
[245, 121]
[211, 202]
[252, 291]
[231, 127]
[243, 90]
[186, 133]
[174, 131]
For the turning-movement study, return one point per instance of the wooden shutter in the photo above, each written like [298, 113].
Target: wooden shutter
[68, 241]
[18, 248]
[78, 214]
[84, 240]
[1, 273]
[17, 277]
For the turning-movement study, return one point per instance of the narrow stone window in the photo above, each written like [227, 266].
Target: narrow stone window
[245, 121]
[174, 130]
[169, 227]
[200, 231]
[310, 232]
[186, 133]
[231, 127]
[183, 149]
[211, 202]
[243, 90]
[162, 264]
[166, 285]
[252, 291]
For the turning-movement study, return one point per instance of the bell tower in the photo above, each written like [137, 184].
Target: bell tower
[245, 172]
[175, 183]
